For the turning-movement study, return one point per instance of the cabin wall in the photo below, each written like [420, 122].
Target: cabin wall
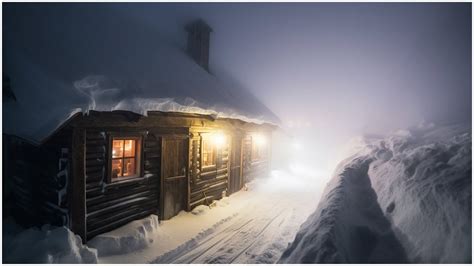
[96, 205]
[207, 184]
[111, 205]
[235, 179]
[255, 167]
[36, 180]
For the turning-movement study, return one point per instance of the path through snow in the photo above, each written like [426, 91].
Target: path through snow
[256, 227]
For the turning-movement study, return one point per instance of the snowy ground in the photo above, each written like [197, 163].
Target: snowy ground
[254, 225]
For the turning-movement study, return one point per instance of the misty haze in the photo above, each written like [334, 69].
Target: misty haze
[237, 133]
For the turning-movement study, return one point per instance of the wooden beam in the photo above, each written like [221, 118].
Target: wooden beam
[78, 184]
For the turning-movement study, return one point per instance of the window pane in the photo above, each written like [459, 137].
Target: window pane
[130, 147]
[208, 156]
[117, 166]
[117, 149]
[130, 167]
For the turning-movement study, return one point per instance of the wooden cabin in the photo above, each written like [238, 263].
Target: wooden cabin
[102, 169]
[121, 166]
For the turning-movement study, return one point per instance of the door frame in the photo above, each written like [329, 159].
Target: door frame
[235, 139]
[186, 151]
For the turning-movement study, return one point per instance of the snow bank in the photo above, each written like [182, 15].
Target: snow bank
[403, 198]
[423, 182]
[131, 237]
[46, 245]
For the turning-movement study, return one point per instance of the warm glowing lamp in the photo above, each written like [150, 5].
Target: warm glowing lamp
[259, 139]
[219, 139]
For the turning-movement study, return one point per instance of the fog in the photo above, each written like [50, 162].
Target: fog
[329, 71]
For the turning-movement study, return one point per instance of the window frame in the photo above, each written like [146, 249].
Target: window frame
[257, 154]
[207, 137]
[139, 155]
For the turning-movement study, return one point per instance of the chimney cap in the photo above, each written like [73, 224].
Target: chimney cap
[198, 24]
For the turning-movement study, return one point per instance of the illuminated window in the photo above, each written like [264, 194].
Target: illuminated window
[208, 148]
[125, 159]
[258, 147]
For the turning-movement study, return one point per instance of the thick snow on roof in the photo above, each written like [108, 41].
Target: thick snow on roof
[58, 69]
[405, 198]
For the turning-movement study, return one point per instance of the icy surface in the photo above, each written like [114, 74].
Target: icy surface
[45, 245]
[403, 198]
[144, 72]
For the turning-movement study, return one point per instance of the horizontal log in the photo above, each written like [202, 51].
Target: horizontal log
[152, 144]
[90, 135]
[126, 185]
[117, 207]
[219, 171]
[94, 162]
[117, 223]
[95, 143]
[94, 169]
[200, 184]
[151, 170]
[107, 216]
[113, 195]
[91, 208]
[95, 176]
[152, 155]
[92, 156]
[152, 163]
[152, 149]
[96, 149]
[218, 188]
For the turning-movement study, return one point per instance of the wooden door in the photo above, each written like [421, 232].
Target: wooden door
[235, 181]
[174, 177]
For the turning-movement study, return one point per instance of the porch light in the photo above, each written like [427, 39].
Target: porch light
[219, 139]
[259, 139]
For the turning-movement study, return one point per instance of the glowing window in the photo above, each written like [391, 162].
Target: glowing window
[125, 159]
[208, 148]
[258, 147]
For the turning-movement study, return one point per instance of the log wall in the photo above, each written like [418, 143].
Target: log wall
[47, 190]
[255, 168]
[111, 205]
[207, 184]
[35, 180]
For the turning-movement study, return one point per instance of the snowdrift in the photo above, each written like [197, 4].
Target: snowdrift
[404, 198]
[46, 245]
[133, 236]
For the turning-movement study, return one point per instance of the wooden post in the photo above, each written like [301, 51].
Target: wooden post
[78, 184]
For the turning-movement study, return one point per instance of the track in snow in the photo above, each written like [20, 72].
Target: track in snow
[256, 235]
[259, 232]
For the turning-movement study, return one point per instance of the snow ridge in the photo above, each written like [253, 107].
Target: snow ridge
[347, 215]
[404, 198]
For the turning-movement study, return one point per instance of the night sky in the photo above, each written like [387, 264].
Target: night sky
[334, 70]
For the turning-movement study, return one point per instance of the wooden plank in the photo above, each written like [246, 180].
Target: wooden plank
[117, 223]
[78, 184]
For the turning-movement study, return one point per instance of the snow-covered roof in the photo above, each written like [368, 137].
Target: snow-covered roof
[55, 76]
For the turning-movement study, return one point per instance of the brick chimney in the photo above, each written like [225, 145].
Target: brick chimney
[198, 42]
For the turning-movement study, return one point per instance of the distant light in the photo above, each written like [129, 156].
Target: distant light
[219, 139]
